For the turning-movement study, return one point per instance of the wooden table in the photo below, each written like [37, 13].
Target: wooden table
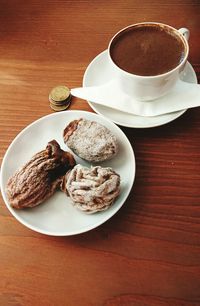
[149, 252]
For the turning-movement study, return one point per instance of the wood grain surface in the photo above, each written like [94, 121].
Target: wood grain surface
[148, 254]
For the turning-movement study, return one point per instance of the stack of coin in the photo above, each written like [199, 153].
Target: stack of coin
[59, 98]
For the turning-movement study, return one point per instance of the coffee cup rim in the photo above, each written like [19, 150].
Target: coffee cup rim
[157, 75]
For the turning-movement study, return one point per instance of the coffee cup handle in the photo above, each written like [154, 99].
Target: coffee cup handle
[185, 32]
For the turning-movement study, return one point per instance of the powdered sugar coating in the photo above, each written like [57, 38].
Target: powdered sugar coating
[91, 140]
[92, 189]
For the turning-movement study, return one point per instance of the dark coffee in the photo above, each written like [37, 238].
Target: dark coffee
[147, 50]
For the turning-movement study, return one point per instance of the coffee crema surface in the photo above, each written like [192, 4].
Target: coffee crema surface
[147, 50]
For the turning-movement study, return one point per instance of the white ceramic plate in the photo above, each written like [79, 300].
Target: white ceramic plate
[57, 216]
[98, 72]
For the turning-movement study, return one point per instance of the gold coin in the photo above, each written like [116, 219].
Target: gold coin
[59, 108]
[60, 103]
[59, 93]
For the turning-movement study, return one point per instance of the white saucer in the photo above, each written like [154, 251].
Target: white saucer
[98, 72]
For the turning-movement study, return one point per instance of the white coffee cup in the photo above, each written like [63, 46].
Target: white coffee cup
[146, 88]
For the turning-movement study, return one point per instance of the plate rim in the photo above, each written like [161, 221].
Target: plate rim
[92, 105]
[83, 229]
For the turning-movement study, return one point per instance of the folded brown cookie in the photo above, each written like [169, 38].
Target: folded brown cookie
[39, 178]
[92, 189]
[90, 140]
